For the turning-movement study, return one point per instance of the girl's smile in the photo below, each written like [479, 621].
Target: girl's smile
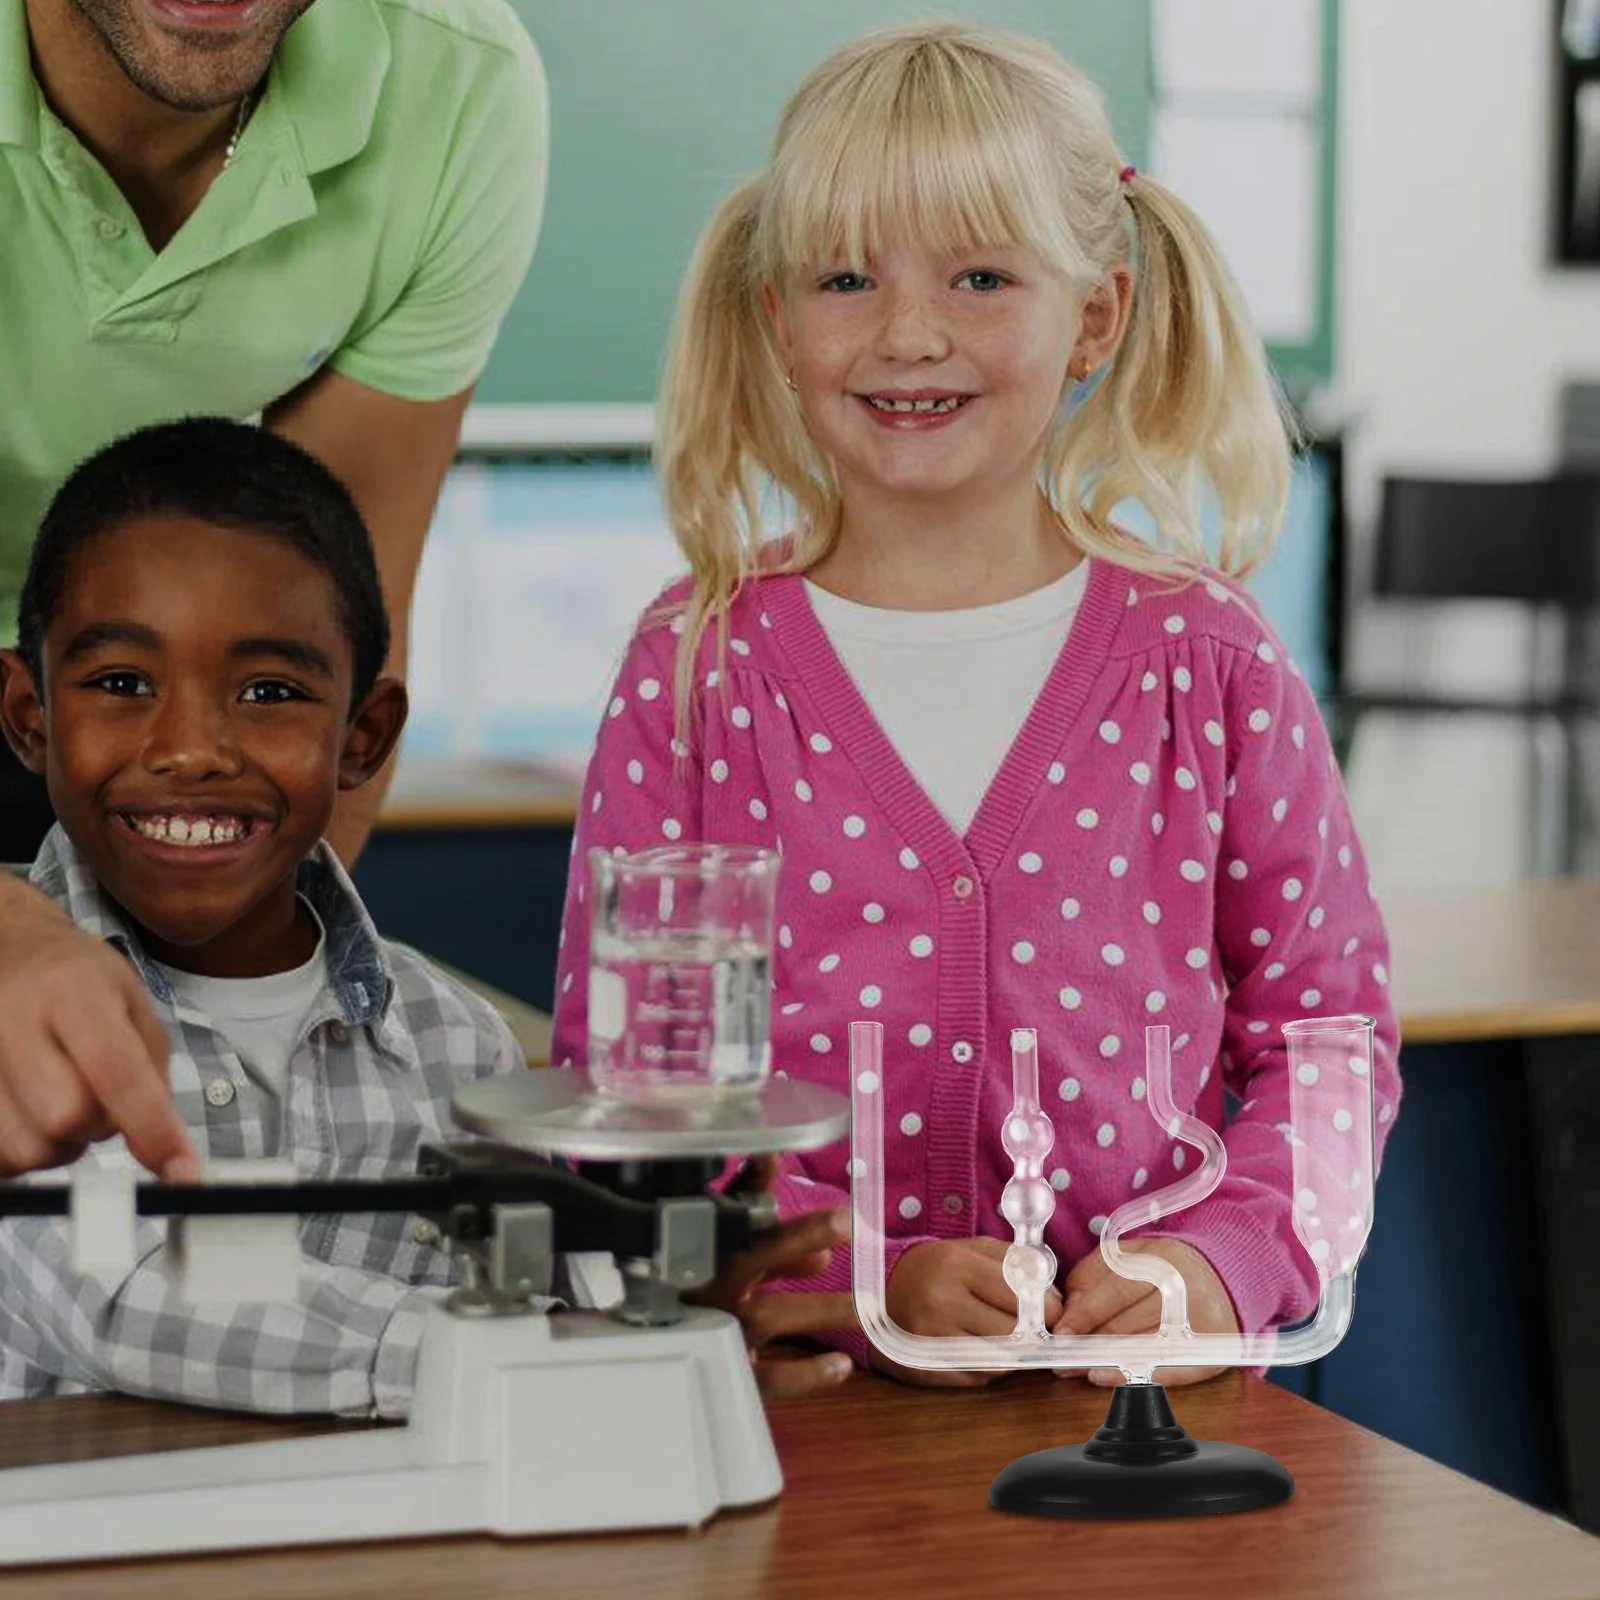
[917, 410]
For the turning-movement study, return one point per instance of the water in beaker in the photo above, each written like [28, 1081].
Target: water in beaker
[680, 968]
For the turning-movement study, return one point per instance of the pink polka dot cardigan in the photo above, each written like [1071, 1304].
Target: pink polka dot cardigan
[1167, 840]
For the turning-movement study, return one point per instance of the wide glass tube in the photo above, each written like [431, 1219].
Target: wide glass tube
[1330, 1133]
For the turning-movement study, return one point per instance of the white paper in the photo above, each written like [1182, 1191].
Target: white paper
[438, 675]
[531, 583]
[1270, 49]
[1254, 182]
[554, 608]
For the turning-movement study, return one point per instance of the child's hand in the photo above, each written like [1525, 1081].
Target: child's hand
[1099, 1301]
[799, 1248]
[953, 1286]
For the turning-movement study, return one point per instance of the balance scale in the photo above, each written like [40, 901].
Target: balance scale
[522, 1423]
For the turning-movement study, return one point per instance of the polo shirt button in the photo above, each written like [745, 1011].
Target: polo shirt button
[961, 1051]
[339, 1033]
[961, 888]
[219, 1093]
[952, 1203]
[110, 228]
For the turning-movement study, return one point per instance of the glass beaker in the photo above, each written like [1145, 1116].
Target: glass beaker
[680, 970]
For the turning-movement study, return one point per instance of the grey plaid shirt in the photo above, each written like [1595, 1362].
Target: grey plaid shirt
[381, 1053]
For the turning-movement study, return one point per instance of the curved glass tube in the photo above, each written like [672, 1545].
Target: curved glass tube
[1330, 1133]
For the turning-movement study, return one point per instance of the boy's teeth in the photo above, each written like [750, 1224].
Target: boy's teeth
[194, 832]
[947, 404]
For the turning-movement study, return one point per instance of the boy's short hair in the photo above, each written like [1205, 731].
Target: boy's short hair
[227, 473]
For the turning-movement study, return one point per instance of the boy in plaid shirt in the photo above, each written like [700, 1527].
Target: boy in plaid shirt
[201, 638]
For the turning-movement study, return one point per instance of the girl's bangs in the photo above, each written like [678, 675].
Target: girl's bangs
[902, 170]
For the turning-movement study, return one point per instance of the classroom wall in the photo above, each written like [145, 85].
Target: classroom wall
[1454, 333]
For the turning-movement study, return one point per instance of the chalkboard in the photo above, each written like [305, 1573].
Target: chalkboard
[658, 108]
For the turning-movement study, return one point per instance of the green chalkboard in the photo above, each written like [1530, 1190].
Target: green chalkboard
[658, 108]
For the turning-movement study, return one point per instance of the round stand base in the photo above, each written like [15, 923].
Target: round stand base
[1141, 1464]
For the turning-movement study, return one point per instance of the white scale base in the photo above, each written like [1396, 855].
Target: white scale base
[521, 1425]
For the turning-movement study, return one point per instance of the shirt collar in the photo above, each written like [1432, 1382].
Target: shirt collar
[19, 94]
[325, 82]
[359, 973]
[327, 78]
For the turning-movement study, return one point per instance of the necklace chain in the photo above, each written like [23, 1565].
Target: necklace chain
[238, 130]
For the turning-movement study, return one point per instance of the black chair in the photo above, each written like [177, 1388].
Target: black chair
[1579, 412]
[1535, 540]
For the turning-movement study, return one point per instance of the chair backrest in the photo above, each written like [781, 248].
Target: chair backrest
[1580, 426]
[1536, 540]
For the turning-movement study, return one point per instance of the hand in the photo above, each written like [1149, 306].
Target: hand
[953, 1286]
[799, 1248]
[1099, 1301]
[81, 1054]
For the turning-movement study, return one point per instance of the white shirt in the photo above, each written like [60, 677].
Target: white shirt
[260, 1017]
[951, 689]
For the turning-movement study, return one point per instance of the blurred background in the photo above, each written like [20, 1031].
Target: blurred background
[1410, 196]
[1420, 245]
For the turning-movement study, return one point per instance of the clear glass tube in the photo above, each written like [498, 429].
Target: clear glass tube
[1028, 1202]
[1330, 1133]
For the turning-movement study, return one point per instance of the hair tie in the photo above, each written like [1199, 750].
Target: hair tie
[1127, 175]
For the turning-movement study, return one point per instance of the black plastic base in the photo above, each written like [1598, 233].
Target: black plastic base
[1141, 1464]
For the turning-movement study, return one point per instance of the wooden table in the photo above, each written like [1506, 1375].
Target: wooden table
[887, 1495]
[1502, 961]
[481, 794]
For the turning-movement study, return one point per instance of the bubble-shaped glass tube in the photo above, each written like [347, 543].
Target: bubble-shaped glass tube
[1027, 1202]
[1330, 1134]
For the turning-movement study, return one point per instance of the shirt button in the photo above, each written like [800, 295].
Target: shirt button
[110, 228]
[952, 1203]
[339, 1033]
[961, 888]
[424, 1232]
[219, 1092]
[961, 1051]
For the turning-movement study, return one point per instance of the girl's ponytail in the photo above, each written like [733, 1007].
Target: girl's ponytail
[1187, 402]
[716, 395]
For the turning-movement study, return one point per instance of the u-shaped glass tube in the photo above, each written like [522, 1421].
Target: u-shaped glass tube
[1330, 1134]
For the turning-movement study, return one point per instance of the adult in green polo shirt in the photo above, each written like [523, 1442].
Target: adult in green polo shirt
[312, 212]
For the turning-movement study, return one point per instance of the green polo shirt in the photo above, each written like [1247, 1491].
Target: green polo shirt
[377, 218]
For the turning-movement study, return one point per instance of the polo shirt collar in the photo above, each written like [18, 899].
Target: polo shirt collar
[328, 76]
[19, 94]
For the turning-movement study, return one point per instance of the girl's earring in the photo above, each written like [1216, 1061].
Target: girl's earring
[788, 378]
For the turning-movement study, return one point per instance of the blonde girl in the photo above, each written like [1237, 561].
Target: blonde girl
[1026, 766]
